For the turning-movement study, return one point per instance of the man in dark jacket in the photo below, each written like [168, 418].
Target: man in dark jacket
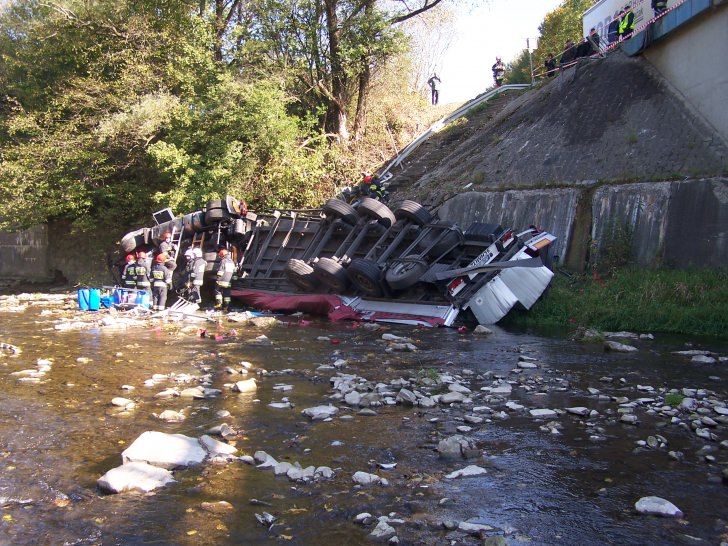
[613, 28]
[143, 270]
[128, 275]
[568, 55]
[659, 7]
[550, 64]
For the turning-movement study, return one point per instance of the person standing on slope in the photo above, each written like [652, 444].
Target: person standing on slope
[499, 71]
[433, 82]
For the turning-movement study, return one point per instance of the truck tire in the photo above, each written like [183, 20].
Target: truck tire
[376, 210]
[332, 274]
[301, 274]
[336, 208]
[402, 274]
[413, 212]
[366, 276]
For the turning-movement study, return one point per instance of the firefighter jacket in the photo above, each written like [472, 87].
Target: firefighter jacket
[225, 270]
[142, 275]
[197, 271]
[128, 275]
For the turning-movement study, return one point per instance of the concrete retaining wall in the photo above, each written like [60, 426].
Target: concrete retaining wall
[678, 224]
[24, 254]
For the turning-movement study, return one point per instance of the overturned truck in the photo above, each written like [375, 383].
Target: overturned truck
[363, 261]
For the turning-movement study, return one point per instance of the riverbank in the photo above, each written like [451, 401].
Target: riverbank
[687, 302]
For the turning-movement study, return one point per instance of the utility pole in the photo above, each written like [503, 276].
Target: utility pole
[530, 57]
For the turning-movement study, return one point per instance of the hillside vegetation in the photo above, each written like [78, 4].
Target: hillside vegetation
[111, 110]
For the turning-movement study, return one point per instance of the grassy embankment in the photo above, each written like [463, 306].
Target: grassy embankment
[693, 302]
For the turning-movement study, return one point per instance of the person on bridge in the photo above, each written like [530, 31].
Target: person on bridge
[626, 23]
[224, 276]
[659, 7]
[434, 82]
[550, 64]
[499, 71]
[613, 28]
[568, 56]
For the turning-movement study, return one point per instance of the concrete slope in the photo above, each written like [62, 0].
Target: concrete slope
[608, 120]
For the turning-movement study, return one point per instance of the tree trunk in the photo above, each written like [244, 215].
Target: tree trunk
[339, 95]
[361, 103]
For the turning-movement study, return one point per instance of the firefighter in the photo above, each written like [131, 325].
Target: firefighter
[142, 270]
[167, 246]
[161, 281]
[224, 274]
[196, 272]
[128, 275]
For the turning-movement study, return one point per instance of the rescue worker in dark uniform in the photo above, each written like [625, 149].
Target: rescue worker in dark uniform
[224, 276]
[128, 275]
[167, 247]
[196, 272]
[626, 23]
[162, 272]
[142, 271]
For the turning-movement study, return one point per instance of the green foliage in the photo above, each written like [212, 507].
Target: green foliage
[673, 399]
[519, 71]
[642, 300]
[564, 23]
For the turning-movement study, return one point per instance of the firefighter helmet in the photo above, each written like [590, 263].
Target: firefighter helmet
[223, 252]
[161, 258]
[130, 258]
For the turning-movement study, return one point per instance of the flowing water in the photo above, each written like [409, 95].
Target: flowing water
[58, 436]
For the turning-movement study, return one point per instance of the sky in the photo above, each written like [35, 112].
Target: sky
[500, 27]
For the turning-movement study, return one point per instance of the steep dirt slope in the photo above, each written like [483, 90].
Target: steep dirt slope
[610, 120]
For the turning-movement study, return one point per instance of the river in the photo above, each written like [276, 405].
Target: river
[564, 480]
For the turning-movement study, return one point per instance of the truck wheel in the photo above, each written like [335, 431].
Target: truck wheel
[376, 210]
[403, 274]
[336, 208]
[366, 276]
[301, 274]
[413, 212]
[332, 274]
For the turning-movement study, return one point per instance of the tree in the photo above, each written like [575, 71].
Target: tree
[519, 70]
[564, 23]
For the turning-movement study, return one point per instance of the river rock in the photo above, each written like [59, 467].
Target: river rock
[122, 402]
[456, 447]
[319, 413]
[656, 506]
[352, 398]
[364, 478]
[543, 413]
[703, 359]
[483, 330]
[618, 347]
[473, 528]
[216, 447]
[452, 398]
[164, 450]
[247, 385]
[468, 471]
[579, 410]
[136, 476]
[406, 396]
[383, 531]
[171, 416]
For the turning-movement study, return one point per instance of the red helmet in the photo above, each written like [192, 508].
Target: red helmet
[141, 254]
[167, 234]
[223, 252]
[130, 258]
[161, 258]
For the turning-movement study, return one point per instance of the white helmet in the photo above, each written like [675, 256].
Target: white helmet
[189, 254]
[197, 252]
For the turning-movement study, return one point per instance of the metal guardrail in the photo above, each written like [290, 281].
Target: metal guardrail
[438, 125]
